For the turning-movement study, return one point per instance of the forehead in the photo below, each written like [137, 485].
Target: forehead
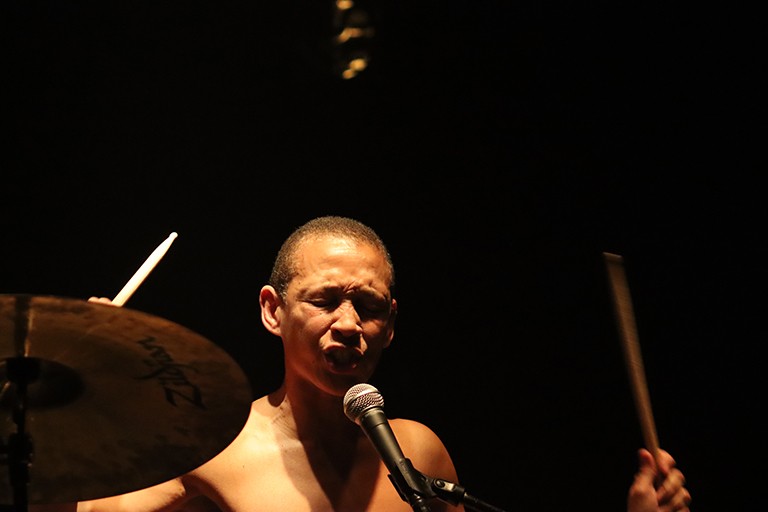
[338, 260]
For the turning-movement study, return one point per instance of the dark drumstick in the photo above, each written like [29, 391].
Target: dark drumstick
[632, 356]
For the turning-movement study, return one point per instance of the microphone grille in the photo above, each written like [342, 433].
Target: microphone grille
[359, 398]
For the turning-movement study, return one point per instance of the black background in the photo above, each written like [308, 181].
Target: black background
[498, 147]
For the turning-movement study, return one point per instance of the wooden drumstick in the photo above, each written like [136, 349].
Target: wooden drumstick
[632, 356]
[144, 270]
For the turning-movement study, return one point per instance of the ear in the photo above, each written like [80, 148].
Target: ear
[270, 302]
[391, 323]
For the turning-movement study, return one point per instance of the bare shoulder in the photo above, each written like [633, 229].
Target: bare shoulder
[410, 430]
[254, 439]
[424, 448]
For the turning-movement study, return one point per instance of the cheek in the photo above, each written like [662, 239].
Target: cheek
[378, 334]
[310, 321]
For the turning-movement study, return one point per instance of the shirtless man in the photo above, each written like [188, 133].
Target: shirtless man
[329, 299]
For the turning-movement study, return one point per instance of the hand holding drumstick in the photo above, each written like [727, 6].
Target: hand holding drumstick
[658, 484]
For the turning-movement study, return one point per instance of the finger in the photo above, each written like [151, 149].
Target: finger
[100, 300]
[665, 462]
[681, 500]
[672, 485]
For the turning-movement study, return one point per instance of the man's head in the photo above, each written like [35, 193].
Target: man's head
[330, 301]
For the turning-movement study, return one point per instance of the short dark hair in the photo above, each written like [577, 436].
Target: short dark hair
[284, 268]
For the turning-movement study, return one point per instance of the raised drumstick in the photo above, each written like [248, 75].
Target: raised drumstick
[634, 361]
[144, 270]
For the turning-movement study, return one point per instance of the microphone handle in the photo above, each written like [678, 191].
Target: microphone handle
[401, 472]
[416, 501]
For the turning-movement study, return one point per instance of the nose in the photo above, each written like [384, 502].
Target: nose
[347, 321]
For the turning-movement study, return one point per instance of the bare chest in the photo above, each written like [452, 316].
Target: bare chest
[296, 478]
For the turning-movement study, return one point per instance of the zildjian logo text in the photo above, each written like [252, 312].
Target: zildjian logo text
[170, 375]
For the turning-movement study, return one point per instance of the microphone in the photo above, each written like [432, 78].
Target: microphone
[363, 404]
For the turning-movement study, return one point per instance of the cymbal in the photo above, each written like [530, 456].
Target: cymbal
[116, 399]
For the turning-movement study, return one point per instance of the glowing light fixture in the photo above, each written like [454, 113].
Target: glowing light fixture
[354, 32]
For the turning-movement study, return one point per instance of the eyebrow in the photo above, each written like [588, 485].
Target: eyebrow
[357, 290]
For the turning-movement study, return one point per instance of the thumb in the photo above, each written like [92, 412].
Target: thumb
[646, 466]
[642, 493]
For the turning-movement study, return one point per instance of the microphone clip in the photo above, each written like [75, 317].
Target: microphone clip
[426, 488]
[412, 490]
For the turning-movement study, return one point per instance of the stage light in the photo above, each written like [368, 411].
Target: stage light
[354, 33]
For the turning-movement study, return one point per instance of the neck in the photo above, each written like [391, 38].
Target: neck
[307, 412]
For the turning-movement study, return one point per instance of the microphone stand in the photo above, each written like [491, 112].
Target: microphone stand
[455, 494]
[416, 492]
[412, 490]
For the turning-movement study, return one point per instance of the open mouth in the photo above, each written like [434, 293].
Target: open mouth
[341, 359]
